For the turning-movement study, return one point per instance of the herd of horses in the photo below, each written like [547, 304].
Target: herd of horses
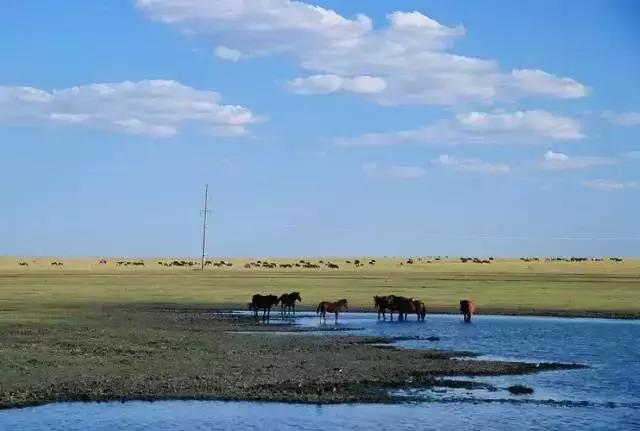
[401, 305]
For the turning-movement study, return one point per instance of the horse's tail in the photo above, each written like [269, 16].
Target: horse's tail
[319, 309]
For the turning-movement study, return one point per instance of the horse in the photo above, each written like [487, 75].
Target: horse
[288, 302]
[331, 307]
[402, 305]
[421, 309]
[382, 304]
[467, 308]
[264, 303]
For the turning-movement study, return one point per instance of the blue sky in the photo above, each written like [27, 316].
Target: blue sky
[348, 128]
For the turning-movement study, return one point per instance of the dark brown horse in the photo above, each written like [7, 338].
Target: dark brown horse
[331, 307]
[264, 303]
[402, 305]
[382, 305]
[467, 308]
[288, 302]
[421, 309]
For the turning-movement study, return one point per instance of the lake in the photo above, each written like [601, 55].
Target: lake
[605, 396]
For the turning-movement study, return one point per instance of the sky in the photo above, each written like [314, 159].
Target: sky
[405, 127]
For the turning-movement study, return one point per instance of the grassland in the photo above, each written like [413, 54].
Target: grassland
[87, 331]
[605, 289]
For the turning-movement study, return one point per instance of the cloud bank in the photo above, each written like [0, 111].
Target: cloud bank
[154, 108]
[519, 127]
[408, 61]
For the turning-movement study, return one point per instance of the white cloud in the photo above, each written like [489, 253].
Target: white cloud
[226, 53]
[541, 82]
[154, 108]
[394, 171]
[412, 54]
[520, 127]
[601, 184]
[472, 165]
[325, 84]
[623, 118]
[560, 161]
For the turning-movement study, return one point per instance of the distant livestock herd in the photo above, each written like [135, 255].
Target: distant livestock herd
[306, 264]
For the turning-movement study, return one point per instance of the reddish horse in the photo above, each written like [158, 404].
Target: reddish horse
[331, 307]
[467, 308]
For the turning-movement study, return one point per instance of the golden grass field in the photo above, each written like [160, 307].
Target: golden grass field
[606, 288]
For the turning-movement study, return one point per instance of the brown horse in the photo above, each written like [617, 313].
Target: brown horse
[421, 309]
[288, 302]
[264, 303]
[467, 308]
[331, 307]
[402, 305]
[382, 305]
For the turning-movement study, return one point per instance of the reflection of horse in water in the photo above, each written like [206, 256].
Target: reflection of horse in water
[467, 308]
[264, 303]
[331, 307]
[288, 302]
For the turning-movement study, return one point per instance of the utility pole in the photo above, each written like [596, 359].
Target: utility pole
[205, 212]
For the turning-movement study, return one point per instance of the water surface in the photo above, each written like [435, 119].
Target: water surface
[605, 396]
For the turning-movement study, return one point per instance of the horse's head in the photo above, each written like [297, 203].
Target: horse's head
[297, 297]
[344, 303]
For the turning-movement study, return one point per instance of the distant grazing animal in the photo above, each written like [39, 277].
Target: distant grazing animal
[331, 307]
[103, 261]
[332, 266]
[467, 308]
[23, 264]
[57, 263]
[264, 303]
[288, 302]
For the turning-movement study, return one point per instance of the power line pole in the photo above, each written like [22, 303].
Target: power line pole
[205, 212]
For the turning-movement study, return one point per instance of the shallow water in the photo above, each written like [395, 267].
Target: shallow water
[603, 397]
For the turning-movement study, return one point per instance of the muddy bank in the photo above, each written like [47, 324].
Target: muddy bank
[145, 353]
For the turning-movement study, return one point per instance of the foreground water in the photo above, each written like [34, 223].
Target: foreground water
[604, 397]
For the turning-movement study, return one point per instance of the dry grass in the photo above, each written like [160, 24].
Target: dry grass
[508, 286]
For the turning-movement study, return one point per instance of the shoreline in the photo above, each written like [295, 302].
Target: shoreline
[488, 312]
[496, 312]
[187, 354]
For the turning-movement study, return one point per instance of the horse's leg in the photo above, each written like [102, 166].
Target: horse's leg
[336, 322]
